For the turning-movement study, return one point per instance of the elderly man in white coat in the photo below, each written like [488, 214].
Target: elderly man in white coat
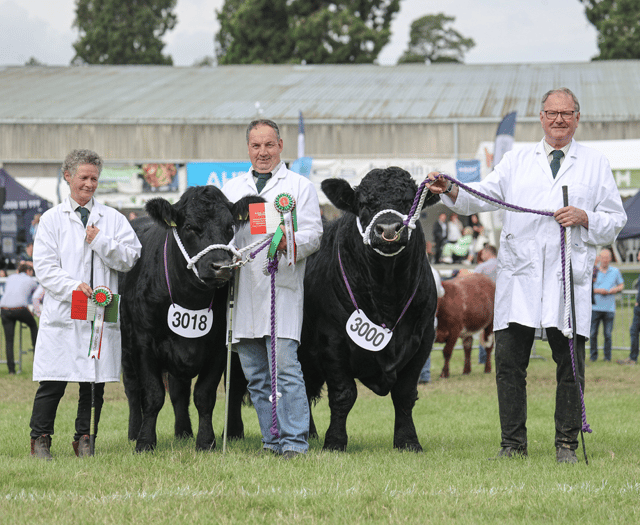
[80, 244]
[269, 177]
[529, 291]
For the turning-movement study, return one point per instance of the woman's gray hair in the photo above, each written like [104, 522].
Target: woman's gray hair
[262, 122]
[564, 90]
[78, 157]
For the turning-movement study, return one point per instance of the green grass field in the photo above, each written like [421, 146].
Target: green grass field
[451, 482]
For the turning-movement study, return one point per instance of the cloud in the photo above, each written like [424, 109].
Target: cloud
[23, 36]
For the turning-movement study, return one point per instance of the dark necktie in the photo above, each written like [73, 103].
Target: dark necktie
[557, 154]
[84, 215]
[262, 180]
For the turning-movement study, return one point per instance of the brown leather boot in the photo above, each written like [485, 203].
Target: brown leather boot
[41, 447]
[82, 447]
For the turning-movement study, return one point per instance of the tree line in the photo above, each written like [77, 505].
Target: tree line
[121, 32]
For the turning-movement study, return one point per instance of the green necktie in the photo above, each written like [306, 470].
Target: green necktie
[557, 154]
[84, 215]
[262, 180]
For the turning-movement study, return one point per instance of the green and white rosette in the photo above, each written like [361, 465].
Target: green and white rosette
[101, 296]
[285, 204]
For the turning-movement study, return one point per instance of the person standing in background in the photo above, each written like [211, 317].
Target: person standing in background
[14, 304]
[608, 283]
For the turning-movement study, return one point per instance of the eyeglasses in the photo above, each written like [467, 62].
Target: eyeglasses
[552, 115]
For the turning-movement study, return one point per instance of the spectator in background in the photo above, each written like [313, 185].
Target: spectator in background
[634, 331]
[439, 235]
[461, 249]
[425, 373]
[34, 226]
[454, 228]
[26, 255]
[14, 307]
[608, 283]
[488, 267]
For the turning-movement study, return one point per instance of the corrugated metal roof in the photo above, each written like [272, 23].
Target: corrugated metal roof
[607, 90]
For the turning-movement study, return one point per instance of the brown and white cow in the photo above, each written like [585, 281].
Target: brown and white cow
[466, 309]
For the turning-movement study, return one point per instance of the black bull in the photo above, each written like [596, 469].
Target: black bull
[202, 217]
[382, 286]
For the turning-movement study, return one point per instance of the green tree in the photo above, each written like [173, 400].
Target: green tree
[430, 40]
[310, 31]
[123, 31]
[618, 26]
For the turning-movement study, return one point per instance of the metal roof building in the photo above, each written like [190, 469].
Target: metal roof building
[178, 114]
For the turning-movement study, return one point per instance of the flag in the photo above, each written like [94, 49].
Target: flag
[504, 137]
[300, 136]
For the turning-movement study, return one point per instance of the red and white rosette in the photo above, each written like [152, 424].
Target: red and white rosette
[101, 296]
[286, 204]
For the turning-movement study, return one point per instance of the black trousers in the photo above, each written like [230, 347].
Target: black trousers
[513, 349]
[45, 406]
[9, 319]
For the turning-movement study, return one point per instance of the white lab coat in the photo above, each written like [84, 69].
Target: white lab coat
[529, 284]
[252, 317]
[62, 260]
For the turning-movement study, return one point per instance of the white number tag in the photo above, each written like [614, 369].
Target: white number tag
[189, 323]
[366, 334]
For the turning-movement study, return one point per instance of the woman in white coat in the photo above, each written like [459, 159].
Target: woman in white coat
[69, 255]
[529, 292]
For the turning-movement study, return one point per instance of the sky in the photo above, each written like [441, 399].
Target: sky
[505, 31]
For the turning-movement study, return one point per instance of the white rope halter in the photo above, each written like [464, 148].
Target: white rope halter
[191, 261]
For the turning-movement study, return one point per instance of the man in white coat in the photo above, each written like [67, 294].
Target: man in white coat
[269, 177]
[80, 244]
[529, 291]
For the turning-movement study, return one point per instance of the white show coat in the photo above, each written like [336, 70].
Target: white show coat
[252, 318]
[62, 260]
[529, 284]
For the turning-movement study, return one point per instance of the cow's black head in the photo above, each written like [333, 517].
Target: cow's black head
[381, 189]
[202, 217]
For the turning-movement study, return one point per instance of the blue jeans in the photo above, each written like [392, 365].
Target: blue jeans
[425, 373]
[482, 355]
[293, 407]
[607, 323]
[634, 332]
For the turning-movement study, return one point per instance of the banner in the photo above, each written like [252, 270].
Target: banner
[504, 137]
[468, 170]
[214, 173]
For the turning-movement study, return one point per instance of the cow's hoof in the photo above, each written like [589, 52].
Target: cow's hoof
[444, 375]
[184, 435]
[466, 372]
[206, 447]
[410, 447]
[145, 447]
[335, 447]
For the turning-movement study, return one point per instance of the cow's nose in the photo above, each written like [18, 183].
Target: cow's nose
[388, 231]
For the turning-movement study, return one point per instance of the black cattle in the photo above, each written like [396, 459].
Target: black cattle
[382, 286]
[202, 217]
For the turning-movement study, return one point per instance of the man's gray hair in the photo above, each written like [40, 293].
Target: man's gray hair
[565, 91]
[262, 122]
[78, 157]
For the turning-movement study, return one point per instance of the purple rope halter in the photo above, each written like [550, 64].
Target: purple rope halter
[272, 267]
[353, 299]
[502, 204]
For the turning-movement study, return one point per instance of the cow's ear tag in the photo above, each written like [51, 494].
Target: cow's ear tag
[172, 224]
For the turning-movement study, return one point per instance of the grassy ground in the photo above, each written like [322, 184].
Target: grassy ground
[451, 482]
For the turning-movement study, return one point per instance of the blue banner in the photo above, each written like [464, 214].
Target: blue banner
[214, 173]
[468, 170]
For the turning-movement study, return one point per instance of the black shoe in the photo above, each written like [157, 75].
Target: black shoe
[290, 454]
[511, 452]
[566, 455]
